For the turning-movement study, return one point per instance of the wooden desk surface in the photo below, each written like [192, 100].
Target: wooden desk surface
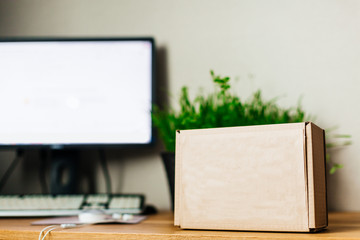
[160, 226]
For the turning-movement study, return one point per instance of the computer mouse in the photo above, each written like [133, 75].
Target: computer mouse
[92, 216]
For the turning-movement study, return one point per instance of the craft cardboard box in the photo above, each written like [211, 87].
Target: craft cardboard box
[256, 178]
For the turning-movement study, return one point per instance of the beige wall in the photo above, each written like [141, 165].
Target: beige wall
[286, 48]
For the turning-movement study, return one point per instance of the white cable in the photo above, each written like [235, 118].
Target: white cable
[68, 225]
[51, 226]
[48, 231]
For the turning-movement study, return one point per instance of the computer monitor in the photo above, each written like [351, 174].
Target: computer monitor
[68, 92]
[73, 93]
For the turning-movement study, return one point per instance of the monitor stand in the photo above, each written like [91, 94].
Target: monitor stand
[64, 177]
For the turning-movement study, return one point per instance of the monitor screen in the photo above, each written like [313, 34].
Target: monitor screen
[68, 92]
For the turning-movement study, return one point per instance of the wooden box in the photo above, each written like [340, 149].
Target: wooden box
[256, 178]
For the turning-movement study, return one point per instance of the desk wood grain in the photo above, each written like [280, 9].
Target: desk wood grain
[341, 226]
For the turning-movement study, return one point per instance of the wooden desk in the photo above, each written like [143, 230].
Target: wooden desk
[160, 226]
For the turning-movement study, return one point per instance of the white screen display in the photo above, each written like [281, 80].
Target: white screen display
[75, 92]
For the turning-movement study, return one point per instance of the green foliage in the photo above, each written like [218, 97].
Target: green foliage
[335, 142]
[220, 109]
[224, 109]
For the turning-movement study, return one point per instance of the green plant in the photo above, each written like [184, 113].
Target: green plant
[223, 109]
[220, 109]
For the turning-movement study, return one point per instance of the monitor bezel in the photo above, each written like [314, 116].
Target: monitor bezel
[61, 146]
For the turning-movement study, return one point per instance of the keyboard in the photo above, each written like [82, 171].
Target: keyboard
[36, 205]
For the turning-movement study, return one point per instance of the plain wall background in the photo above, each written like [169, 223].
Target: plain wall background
[286, 48]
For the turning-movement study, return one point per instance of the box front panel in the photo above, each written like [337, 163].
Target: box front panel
[243, 180]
